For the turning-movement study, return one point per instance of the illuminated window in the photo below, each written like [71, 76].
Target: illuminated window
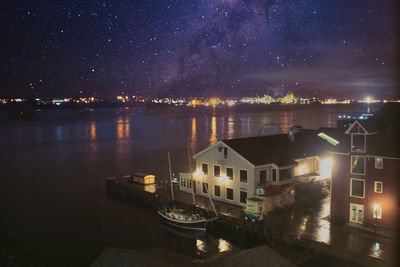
[358, 143]
[217, 191]
[378, 187]
[357, 188]
[243, 176]
[217, 170]
[229, 173]
[378, 163]
[204, 168]
[357, 165]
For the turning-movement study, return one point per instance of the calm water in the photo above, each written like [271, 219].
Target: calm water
[52, 186]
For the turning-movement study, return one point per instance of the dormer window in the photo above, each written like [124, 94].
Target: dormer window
[358, 143]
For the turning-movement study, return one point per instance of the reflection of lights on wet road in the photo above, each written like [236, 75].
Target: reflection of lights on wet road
[223, 245]
[375, 250]
[322, 232]
[302, 226]
[201, 246]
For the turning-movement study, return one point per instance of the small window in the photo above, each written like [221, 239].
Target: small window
[274, 175]
[220, 149]
[204, 168]
[225, 152]
[378, 188]
[229, 193]
[205, 188]
[217, 171]
[263, 177]
[378, 213]
[357, 188]
[357, 165]
[379, 163]
[182, 181]
[358, 143]
[229, 173]
[243, 196]
[217, 190]
[243, 176]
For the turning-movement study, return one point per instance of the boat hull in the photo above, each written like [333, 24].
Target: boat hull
[199, 225]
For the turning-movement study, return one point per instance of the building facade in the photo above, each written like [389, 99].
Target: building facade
[365, 178]
[234, 170]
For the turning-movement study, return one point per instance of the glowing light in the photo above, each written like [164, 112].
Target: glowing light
[368, 99]
[302, 169]
[224, 179]
[201, 246]
[326, 167]
[214, 101]
[231, 103]
[223, 245]
[328, 138]
[198, 174]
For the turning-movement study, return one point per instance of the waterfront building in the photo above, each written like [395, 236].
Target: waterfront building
[365, 177]
[234, 170]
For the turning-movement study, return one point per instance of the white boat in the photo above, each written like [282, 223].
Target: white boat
[182, 218]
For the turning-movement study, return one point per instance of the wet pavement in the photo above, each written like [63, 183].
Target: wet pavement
[312, 222]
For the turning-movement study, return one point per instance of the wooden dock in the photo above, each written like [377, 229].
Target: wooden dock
[232, 226]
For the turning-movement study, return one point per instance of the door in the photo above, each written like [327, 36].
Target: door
[356, 213]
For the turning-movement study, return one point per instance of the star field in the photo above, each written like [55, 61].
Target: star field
[203, 48]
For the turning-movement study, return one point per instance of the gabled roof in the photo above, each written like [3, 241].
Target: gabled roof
[383, 129]
[279, 149]
[386, 123]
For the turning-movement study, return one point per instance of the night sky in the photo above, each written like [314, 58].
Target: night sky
[201, 48]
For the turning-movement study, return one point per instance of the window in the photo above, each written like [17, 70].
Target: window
[220, 149]
[229, 173]
[225, 152]
[182, 179]
[189, 183]
[274, 175]
[263, 177]
[243, 176]
[243, 196]
[357, 188]
[204, 168]
[217, 191]
[217, 171]
[358, 143]
[205, 188]
[285, 174]
[357, 165]
[378, 163]
[229, 193]
[378, 188]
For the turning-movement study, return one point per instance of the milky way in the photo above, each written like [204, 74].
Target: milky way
[204, 48]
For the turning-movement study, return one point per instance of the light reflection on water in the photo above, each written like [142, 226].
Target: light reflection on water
[213, 136]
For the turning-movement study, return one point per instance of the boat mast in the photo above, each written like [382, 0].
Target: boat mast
[170, 176]
[191, 174]
[190, 166]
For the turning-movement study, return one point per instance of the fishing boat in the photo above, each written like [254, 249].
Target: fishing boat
[183, 218]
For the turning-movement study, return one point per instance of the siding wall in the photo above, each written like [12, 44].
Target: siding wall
[214, 157]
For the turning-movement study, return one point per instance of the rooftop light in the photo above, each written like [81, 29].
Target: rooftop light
[328, 138]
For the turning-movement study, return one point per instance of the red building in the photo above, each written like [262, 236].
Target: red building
[366, 171]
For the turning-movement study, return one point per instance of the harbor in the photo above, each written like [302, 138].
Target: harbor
[232, 223]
